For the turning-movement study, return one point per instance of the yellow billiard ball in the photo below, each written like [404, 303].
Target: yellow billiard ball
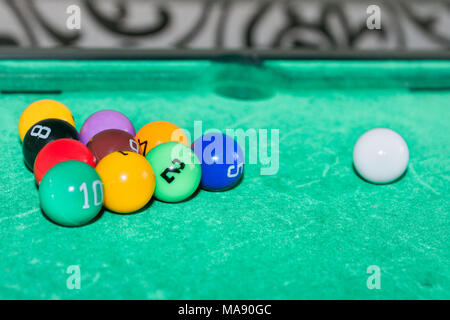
[157, 132]
[128, 180]
[41, 110]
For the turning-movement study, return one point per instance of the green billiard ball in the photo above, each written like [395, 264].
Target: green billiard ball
[71, 193]
[177, 171]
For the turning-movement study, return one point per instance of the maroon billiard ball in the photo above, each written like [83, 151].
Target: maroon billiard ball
[110, 141]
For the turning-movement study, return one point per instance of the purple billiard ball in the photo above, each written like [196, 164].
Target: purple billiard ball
[222, 161]
[105, 120]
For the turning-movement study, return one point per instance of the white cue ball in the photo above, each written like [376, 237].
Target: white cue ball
[380, 155]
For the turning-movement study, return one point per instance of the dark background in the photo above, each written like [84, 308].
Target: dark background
[227, 24]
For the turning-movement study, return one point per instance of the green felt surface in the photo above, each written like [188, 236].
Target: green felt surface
[310, 231]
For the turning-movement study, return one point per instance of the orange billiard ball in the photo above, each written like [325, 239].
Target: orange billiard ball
[41, 110]
[157, 132]
[128, 179]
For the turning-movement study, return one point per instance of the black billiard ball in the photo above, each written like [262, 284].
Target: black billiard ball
[41, 134]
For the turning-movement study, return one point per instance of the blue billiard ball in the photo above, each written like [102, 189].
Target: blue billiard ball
[222, 161]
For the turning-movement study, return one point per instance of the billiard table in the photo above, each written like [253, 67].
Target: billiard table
[312, 229]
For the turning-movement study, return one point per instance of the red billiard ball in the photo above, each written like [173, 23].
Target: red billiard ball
[58, 151]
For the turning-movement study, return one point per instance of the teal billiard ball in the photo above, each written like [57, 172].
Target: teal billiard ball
[71, 193]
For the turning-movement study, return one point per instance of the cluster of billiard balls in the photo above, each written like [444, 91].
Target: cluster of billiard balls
[108, 165]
